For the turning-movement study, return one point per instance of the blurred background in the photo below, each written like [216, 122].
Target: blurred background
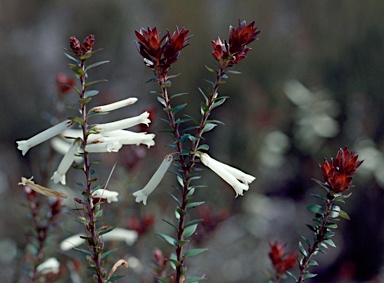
[311, 84]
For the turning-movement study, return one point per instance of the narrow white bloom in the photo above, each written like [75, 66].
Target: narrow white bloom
[77, 133]
[66, 162]
[229, 174]
[128, 137]
[112, 146]
[115, 105]
[25, 145]
[110, 196]
[62, 146]
[142, 194]
[50, 265]
[117, 234]
[123, 124]
[40, 189]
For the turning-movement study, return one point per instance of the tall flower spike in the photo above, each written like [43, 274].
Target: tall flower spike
[123, 124]
[115, 105]
[40, 189]
[229, 174]
[66, 162]
[25, 145]
[143, 194]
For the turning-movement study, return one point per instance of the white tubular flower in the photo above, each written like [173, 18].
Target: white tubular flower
[66, 162]
[123, 124]
[25, 145]
[73, 133]
[110, 196]
[112, 146]
[128, 137]
[229, 174]
[50, 265]
[62, 146]
[117, 234]
[114, 106]
[40, 189]
[143, 194]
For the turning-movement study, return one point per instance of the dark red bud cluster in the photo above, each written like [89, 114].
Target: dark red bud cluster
[281, 261]
[230, 53]
[160, 54]
[338, 173]
[81, 49]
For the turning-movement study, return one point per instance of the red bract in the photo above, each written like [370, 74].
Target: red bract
[338, 173]
[229, 54]
[281, 262]
[160, 54]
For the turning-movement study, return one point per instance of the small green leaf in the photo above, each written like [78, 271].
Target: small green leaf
[99, 213]
[315, 208]
[162, 101]
[193, 204]
[169, 223]
[175, 198]
[114, 278]
[194, 252]
[209, 127]
[167, 238]
[76, 120]
[344, 215]
[218, 102]
[90, 93]
[319, 197]
[72, 58]
[305, 239]
[291, 275]
[95, 64]
[84, 100]
[83, 251]
[330, 242]
[192, 222]
[204, 107]
[178, 108]
[205, 97]
[233, 72]
[203, 147]
[106, 254]
[178, 94]
[309, 275]
[302, 250]
[77, 70]
[189, 231]
[210, 69]
[94, 82]
[104, 230]
[312, 263]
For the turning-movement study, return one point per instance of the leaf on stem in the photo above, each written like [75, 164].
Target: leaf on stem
[168, 239]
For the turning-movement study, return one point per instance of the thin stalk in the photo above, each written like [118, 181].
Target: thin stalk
[320, 237]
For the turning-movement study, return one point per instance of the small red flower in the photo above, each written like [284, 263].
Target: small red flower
[160, 54]
[281, 262]
[338, 173]
[229, 54]
[63, 83]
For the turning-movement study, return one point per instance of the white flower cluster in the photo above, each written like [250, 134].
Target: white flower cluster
[108, 137]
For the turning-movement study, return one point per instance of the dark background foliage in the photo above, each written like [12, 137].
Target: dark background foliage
[311, 84]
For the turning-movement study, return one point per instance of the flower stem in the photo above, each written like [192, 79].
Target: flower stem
[320, 237]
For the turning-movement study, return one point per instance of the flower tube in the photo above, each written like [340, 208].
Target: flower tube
[25, 145]
[143, 194]
[110, 196]
[112, 146]
[50, 265]
[229, 174]
[66, 162]
[62, 146]
[128, 137]
[114, 106]
[123, 124]
[40, 189]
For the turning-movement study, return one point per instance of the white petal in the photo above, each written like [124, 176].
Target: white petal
[50, 265]
[62, 146]
[115, 105]
[123, 124]
[128, 137]
[220, 170]
[113, 146]
[142, 194]
[71, 242]
[110, 196]
[66, 162]
[25, 145]
[239, 175]
[120, 234]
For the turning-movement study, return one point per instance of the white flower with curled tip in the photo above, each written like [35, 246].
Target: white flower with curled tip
[48, 266]
[110, 196]
[66, 162]
[229, 174]
[143, 194]
[47, 134]
[117, 234]
[40, 189]
[122, 124]
[114, 106]
[128, 137]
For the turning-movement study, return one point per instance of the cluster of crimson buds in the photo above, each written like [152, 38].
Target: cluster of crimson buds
[231, 52]
[338, 173]
[281, 261]
[160, 54]
[80, 49]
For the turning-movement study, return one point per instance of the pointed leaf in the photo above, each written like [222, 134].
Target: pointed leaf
[178, 108]
[194, 279]
[194, 252]
[95, 64]
[167, 238]
[315, 208]
[189, 231]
